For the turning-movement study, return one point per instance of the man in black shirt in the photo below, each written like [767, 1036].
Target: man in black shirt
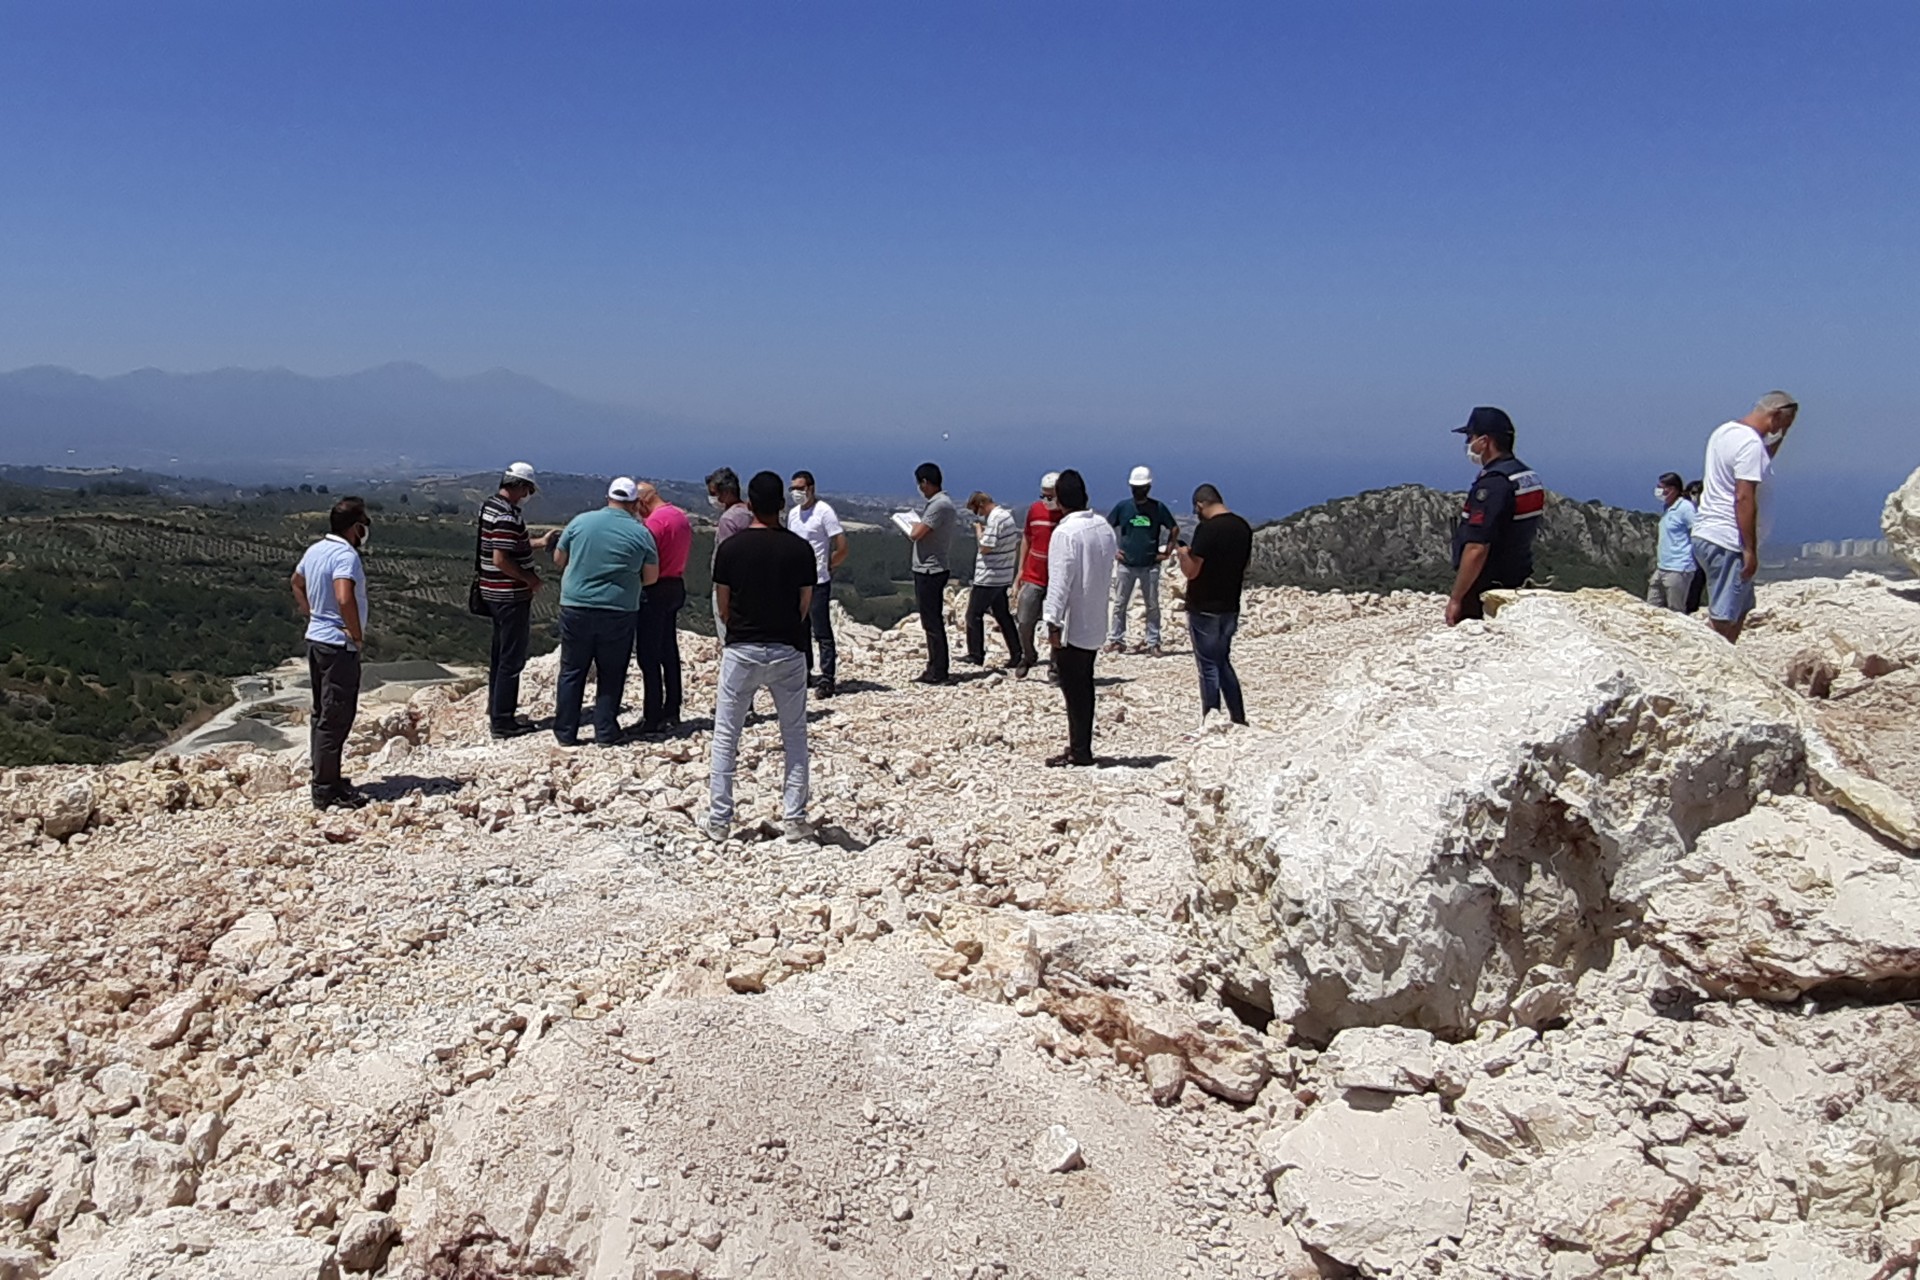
[1493, 545]
[763, 580]
[1215, 565]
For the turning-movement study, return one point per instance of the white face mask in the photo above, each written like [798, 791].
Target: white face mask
[1659, 495]
[366, 538]
[1053, 504]
[797, 497]
[1773, 438]
[713, 500]
[1473, 454]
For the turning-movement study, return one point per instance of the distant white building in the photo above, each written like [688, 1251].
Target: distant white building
[1843, 549]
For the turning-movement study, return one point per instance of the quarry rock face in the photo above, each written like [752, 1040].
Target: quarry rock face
[1572, 944]
[1480, 813]
[1900, 521]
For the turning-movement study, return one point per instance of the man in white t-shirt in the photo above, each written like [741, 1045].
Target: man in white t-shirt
[1726, 532]
[817, 522]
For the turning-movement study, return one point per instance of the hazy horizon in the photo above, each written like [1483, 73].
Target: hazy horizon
[1280, 249]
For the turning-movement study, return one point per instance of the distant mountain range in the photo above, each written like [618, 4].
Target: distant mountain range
[1401, 539]
[256, 424]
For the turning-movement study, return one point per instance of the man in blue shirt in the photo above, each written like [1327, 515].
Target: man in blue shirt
[1673, 563]
[606, 558]
[330, 586]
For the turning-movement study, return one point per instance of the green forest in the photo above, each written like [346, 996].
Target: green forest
[124, 616]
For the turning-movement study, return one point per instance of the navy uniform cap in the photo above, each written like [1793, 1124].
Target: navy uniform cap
[1488, 421]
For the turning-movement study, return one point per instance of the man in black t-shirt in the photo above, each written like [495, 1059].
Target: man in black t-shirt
[1215, 565]
[763, 581]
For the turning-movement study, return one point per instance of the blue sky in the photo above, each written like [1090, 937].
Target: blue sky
[1283, 246]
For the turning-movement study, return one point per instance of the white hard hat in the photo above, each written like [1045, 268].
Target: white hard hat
[623, 490]
[522, 472]
[1049, 480]
[1140, 476]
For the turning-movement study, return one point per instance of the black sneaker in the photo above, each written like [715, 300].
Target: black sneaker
[518, 729]
[825, 689]
[338, 798]
[928, 677]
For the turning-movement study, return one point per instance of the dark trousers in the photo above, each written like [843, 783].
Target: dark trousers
[820, 615]
[980, 602]
[512, 632]
[601, 639]
[930, 596]
[334, 672]
[1212, 635]
[1075, 669]
[656, 647]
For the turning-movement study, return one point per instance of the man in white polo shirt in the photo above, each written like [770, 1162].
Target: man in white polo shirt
[1726, 533]
[818, 523]
[330, 586]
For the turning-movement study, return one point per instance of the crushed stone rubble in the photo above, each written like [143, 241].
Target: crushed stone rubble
[1574, 943]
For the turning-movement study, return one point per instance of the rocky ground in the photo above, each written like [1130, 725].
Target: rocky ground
[1569, 944]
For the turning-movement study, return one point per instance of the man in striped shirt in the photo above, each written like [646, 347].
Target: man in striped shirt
[993, 569]
[507, 585]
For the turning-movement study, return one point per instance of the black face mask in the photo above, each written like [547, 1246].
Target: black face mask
[1140, 492]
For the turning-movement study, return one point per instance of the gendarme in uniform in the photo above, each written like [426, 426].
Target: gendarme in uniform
[1502, 510]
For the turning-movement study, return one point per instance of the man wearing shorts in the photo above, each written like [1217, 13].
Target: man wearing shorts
[1726, 533]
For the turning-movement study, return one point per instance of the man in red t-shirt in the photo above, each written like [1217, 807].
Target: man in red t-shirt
[656, 635]
[1031, 587]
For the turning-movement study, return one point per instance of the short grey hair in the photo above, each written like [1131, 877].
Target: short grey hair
[1774, 402]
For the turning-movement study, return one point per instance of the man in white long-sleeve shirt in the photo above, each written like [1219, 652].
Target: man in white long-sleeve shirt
[1079, 578]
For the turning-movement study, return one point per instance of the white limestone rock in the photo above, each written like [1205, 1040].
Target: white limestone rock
[1383, 1059]
[241, 945]
[1373, 1188]
[1900, 521]
[69, 809]
[1789, 899]
[1490, 801]
[1607, 1200]
[141, 1175]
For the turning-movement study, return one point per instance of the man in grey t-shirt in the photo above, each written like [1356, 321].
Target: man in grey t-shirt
[932, 545]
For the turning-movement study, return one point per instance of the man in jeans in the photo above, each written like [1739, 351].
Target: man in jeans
[1215, 566]
[606, 559]
[932, 538]
[817, 523]
[1138, 522]
[993, 568]
[656, 642]
[507, 586]
[330, 586]
[1032, 590]
[1079, 576]
[764, 582]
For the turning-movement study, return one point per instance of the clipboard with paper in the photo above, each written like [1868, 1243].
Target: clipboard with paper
[904, 521]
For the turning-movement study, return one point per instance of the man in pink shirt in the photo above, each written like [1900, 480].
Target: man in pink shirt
[656, 639]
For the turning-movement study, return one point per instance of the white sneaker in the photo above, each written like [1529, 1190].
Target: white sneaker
[715, 829]
[799, 831]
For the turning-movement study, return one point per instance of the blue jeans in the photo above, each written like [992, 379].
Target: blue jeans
[603, 640]
[1125, 578]
[1212, 652]
[745, 668]
[820, 614]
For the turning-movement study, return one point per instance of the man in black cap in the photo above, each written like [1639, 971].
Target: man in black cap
[1493, 545]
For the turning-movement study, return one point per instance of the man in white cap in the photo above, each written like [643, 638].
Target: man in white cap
[1030, 589]
[504, 585]
[606, 559]
[1138, 523]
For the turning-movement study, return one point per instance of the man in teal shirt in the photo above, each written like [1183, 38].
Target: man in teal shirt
[606, 558]
[1138, 523]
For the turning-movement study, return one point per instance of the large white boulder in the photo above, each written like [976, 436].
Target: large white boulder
[1788, 899]
[1483, 812]
[1900, 521]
